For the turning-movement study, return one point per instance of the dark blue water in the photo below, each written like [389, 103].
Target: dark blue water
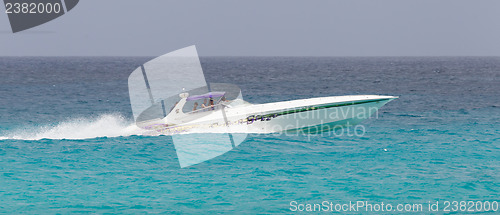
[67, 145]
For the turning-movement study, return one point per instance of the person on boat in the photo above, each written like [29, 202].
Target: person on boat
[195, 106]
[204, 105]
[212, 103]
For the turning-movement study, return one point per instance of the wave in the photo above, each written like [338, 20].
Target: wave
[107, 125]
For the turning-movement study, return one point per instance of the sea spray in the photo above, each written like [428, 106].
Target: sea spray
[106, 125]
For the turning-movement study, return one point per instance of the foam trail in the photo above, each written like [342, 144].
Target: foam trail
[108, 125]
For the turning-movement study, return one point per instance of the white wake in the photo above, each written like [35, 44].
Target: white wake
[107, 125]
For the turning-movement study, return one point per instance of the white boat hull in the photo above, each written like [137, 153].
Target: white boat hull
[305, 115]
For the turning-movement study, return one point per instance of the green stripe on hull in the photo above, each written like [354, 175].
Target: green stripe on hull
[328, 106]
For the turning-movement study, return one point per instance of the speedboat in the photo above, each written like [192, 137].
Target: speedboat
[169, 96]
[304, 115]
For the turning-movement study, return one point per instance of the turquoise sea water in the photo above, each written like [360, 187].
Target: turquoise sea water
[67, 145]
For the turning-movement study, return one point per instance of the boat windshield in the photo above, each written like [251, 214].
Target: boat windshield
[206, 102]
[221, 94]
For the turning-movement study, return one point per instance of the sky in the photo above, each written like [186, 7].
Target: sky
[264, 28]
